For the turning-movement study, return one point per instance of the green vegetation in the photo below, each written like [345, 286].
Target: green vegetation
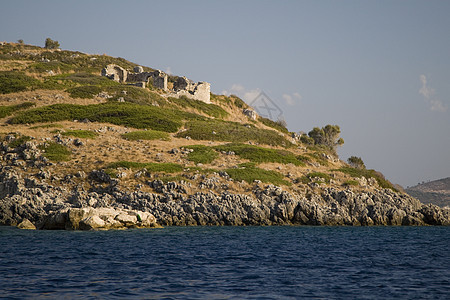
[327, 136]
[146, 135]
[356, 162]
[381, 180]
[19, 141]
[86, 134]
[261, 155]
[202, 154]
[209, 109]
[315, 177]
[52, 125]
[13, 82]
[56, 152]
[84, 78]
[10, 109]
[250, 174]
[126, 114]
[276, 125]
[350, 183]
[218, 130]
[238, 102]
[151, 167]
[176, 178]
[85, 91]
[51, 44]
[318, 157]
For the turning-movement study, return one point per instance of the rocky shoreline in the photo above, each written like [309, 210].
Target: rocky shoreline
[29, 202]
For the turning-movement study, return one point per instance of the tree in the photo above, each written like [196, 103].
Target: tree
[20, 41]
[327, 136]
[356, 162]
[51, 44]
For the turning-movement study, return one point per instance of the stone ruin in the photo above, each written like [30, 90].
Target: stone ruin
[158, 79]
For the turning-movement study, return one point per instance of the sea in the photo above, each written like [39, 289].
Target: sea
[286, 262]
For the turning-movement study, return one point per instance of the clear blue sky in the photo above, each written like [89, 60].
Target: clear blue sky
[379, 69]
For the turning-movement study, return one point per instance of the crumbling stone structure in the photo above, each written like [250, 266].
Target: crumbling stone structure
[158, 79]
[185, 87]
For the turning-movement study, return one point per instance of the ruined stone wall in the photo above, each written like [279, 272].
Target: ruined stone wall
[158, 79]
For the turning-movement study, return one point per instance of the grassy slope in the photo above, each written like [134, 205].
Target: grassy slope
[168, 123]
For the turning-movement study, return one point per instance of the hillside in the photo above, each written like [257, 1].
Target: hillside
[436, 192]
[83, 151]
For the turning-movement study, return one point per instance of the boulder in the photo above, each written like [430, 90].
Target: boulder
[26, 224]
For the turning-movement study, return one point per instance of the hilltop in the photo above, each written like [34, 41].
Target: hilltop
[85, 151]
[436, 192]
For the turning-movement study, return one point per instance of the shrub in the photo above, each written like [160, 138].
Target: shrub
[84, 78]
[56, 152]
[250, 174]
[151, 167]
[260, 155]
[276, 125]
[146, 135]
[87, 134]
[327, 136]
[218, 130]
[202, 154]
[238, 102]
[209, 109]
[10, 109]
[51, 44]
[126, 114]
[85, 92]
[351, 183]
[381, 180]
[19, 141]
[53, 125]
[356, 162]
[13, 82]
[325, 177]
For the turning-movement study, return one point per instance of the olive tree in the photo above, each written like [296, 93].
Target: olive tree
[327, 136]
[51, 44]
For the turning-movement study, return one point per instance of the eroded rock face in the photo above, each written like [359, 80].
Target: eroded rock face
[50, 207]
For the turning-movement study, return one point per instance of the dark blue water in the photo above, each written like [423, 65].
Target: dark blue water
[228, 263]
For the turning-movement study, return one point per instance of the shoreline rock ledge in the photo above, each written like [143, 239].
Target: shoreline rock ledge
[29, 203]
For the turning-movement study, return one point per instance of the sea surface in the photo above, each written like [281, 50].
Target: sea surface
[227, 263]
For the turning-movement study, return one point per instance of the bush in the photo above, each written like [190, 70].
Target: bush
[19, 141]
[313, 175]
[202, 154]
[151, 167]
[350, 183]
[209, 109]
[51, 44]
[146, 135]
[327, 136]
[126, 114]
[356, 162]
[87, 134]
[56, 152]
[276, 125]
[218, 130]
[381, 180]
[260, 155]
[13, 82]
[10, 109]
[84, 92]
[250, 174]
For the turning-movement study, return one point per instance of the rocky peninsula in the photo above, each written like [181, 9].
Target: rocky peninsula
[82, 151]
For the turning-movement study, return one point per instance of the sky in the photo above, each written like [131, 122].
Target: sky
[378, 69]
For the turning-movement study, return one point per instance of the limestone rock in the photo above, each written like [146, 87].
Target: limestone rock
[26, 224]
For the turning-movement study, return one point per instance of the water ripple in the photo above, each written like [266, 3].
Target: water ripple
[227, 263]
